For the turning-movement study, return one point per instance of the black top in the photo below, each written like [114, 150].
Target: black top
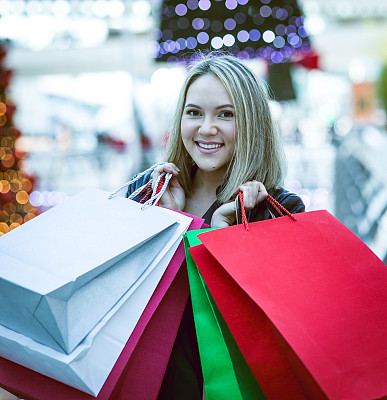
[260, 212]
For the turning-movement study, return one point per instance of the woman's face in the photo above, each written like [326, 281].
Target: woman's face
[208, 124]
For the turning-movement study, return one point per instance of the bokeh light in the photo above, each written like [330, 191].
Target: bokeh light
[269, 29]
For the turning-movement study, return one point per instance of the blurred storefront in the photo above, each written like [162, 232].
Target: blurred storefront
[93, 103]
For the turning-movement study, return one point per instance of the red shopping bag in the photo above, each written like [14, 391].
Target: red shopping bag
[306, 303]
[135, 374]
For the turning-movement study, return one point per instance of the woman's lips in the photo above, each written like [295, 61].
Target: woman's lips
[208, 147]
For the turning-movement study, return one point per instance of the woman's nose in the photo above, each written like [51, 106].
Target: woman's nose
[208, 127]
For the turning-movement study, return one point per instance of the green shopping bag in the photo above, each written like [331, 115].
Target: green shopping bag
[225, 371]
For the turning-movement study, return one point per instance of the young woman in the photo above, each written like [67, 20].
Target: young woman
[223, 140]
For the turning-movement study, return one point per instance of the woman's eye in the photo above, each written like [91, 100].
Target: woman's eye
[193, 113]
[226, 114]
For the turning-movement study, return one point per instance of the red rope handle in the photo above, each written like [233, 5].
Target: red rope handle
[148, 190]
[244, 218]
[159, 186]
[277, 205]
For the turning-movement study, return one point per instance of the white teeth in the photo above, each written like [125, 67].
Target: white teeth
[209, 146]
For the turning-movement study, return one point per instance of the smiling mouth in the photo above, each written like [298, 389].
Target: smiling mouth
[209, 146]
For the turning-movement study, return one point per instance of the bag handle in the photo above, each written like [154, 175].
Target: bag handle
[158, 190]
[141, 189]
[277, 206]
[151, 196]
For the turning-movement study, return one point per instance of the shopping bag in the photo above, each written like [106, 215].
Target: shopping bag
[307, 293]
[225, 371]
[56, 270]
[157, 325]
[88, 366]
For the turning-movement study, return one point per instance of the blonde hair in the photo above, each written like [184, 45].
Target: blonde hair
[258, 153]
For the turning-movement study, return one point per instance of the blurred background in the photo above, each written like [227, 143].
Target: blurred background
[88, 87]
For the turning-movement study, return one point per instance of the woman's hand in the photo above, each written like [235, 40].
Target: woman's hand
[253, 193]
[174, 196]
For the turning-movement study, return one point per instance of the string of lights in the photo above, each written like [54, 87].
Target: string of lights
[15, 185]
[270, 29]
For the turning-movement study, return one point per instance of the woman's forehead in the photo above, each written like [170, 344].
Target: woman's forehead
[207, 87]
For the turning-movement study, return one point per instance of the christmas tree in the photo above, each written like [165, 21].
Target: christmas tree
[15, 185]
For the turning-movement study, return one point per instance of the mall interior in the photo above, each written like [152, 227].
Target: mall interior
[88, 89]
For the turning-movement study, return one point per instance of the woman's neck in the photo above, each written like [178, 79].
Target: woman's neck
[207, 182]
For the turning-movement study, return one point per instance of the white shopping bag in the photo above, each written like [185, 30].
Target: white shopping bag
[61, 272]
[89, 365]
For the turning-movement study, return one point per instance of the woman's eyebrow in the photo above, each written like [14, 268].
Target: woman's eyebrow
[225, 106]
[192, 105]
[221, 106]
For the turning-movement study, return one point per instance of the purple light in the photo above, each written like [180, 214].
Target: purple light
[167, 34]
[292, 20]
[172, 59]
[182, 43]
[265, 1]
[297, 43]
[243, 36]
[293, 39]
[279, 42]
[155, 50]
[162, 48]
[157, 34]
[228, 40]
[268, 36]
[174, 47]
[276, 57]
[281, 14]
[286, 51]
[216, 42]
[203, 37]
[204, 4]
[206, 23]
[243, 55]
[302, 32]
[181, 9]
[243, 2]
[299, 21]
[192, 4]
[191, 42]
[280, 30]
[231, 4]
[265, 11]
[240, 18]
[167, 46]
[266, 52]
[198, 24]
[290, 29]
[305, 48]
[254, 35]
[250, 51]
[229, 24]
[169, 11]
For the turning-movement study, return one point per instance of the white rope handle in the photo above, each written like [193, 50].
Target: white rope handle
[157, 196]
[135, 179]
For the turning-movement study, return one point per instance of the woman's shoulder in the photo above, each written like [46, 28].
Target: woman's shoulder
[289, 200]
